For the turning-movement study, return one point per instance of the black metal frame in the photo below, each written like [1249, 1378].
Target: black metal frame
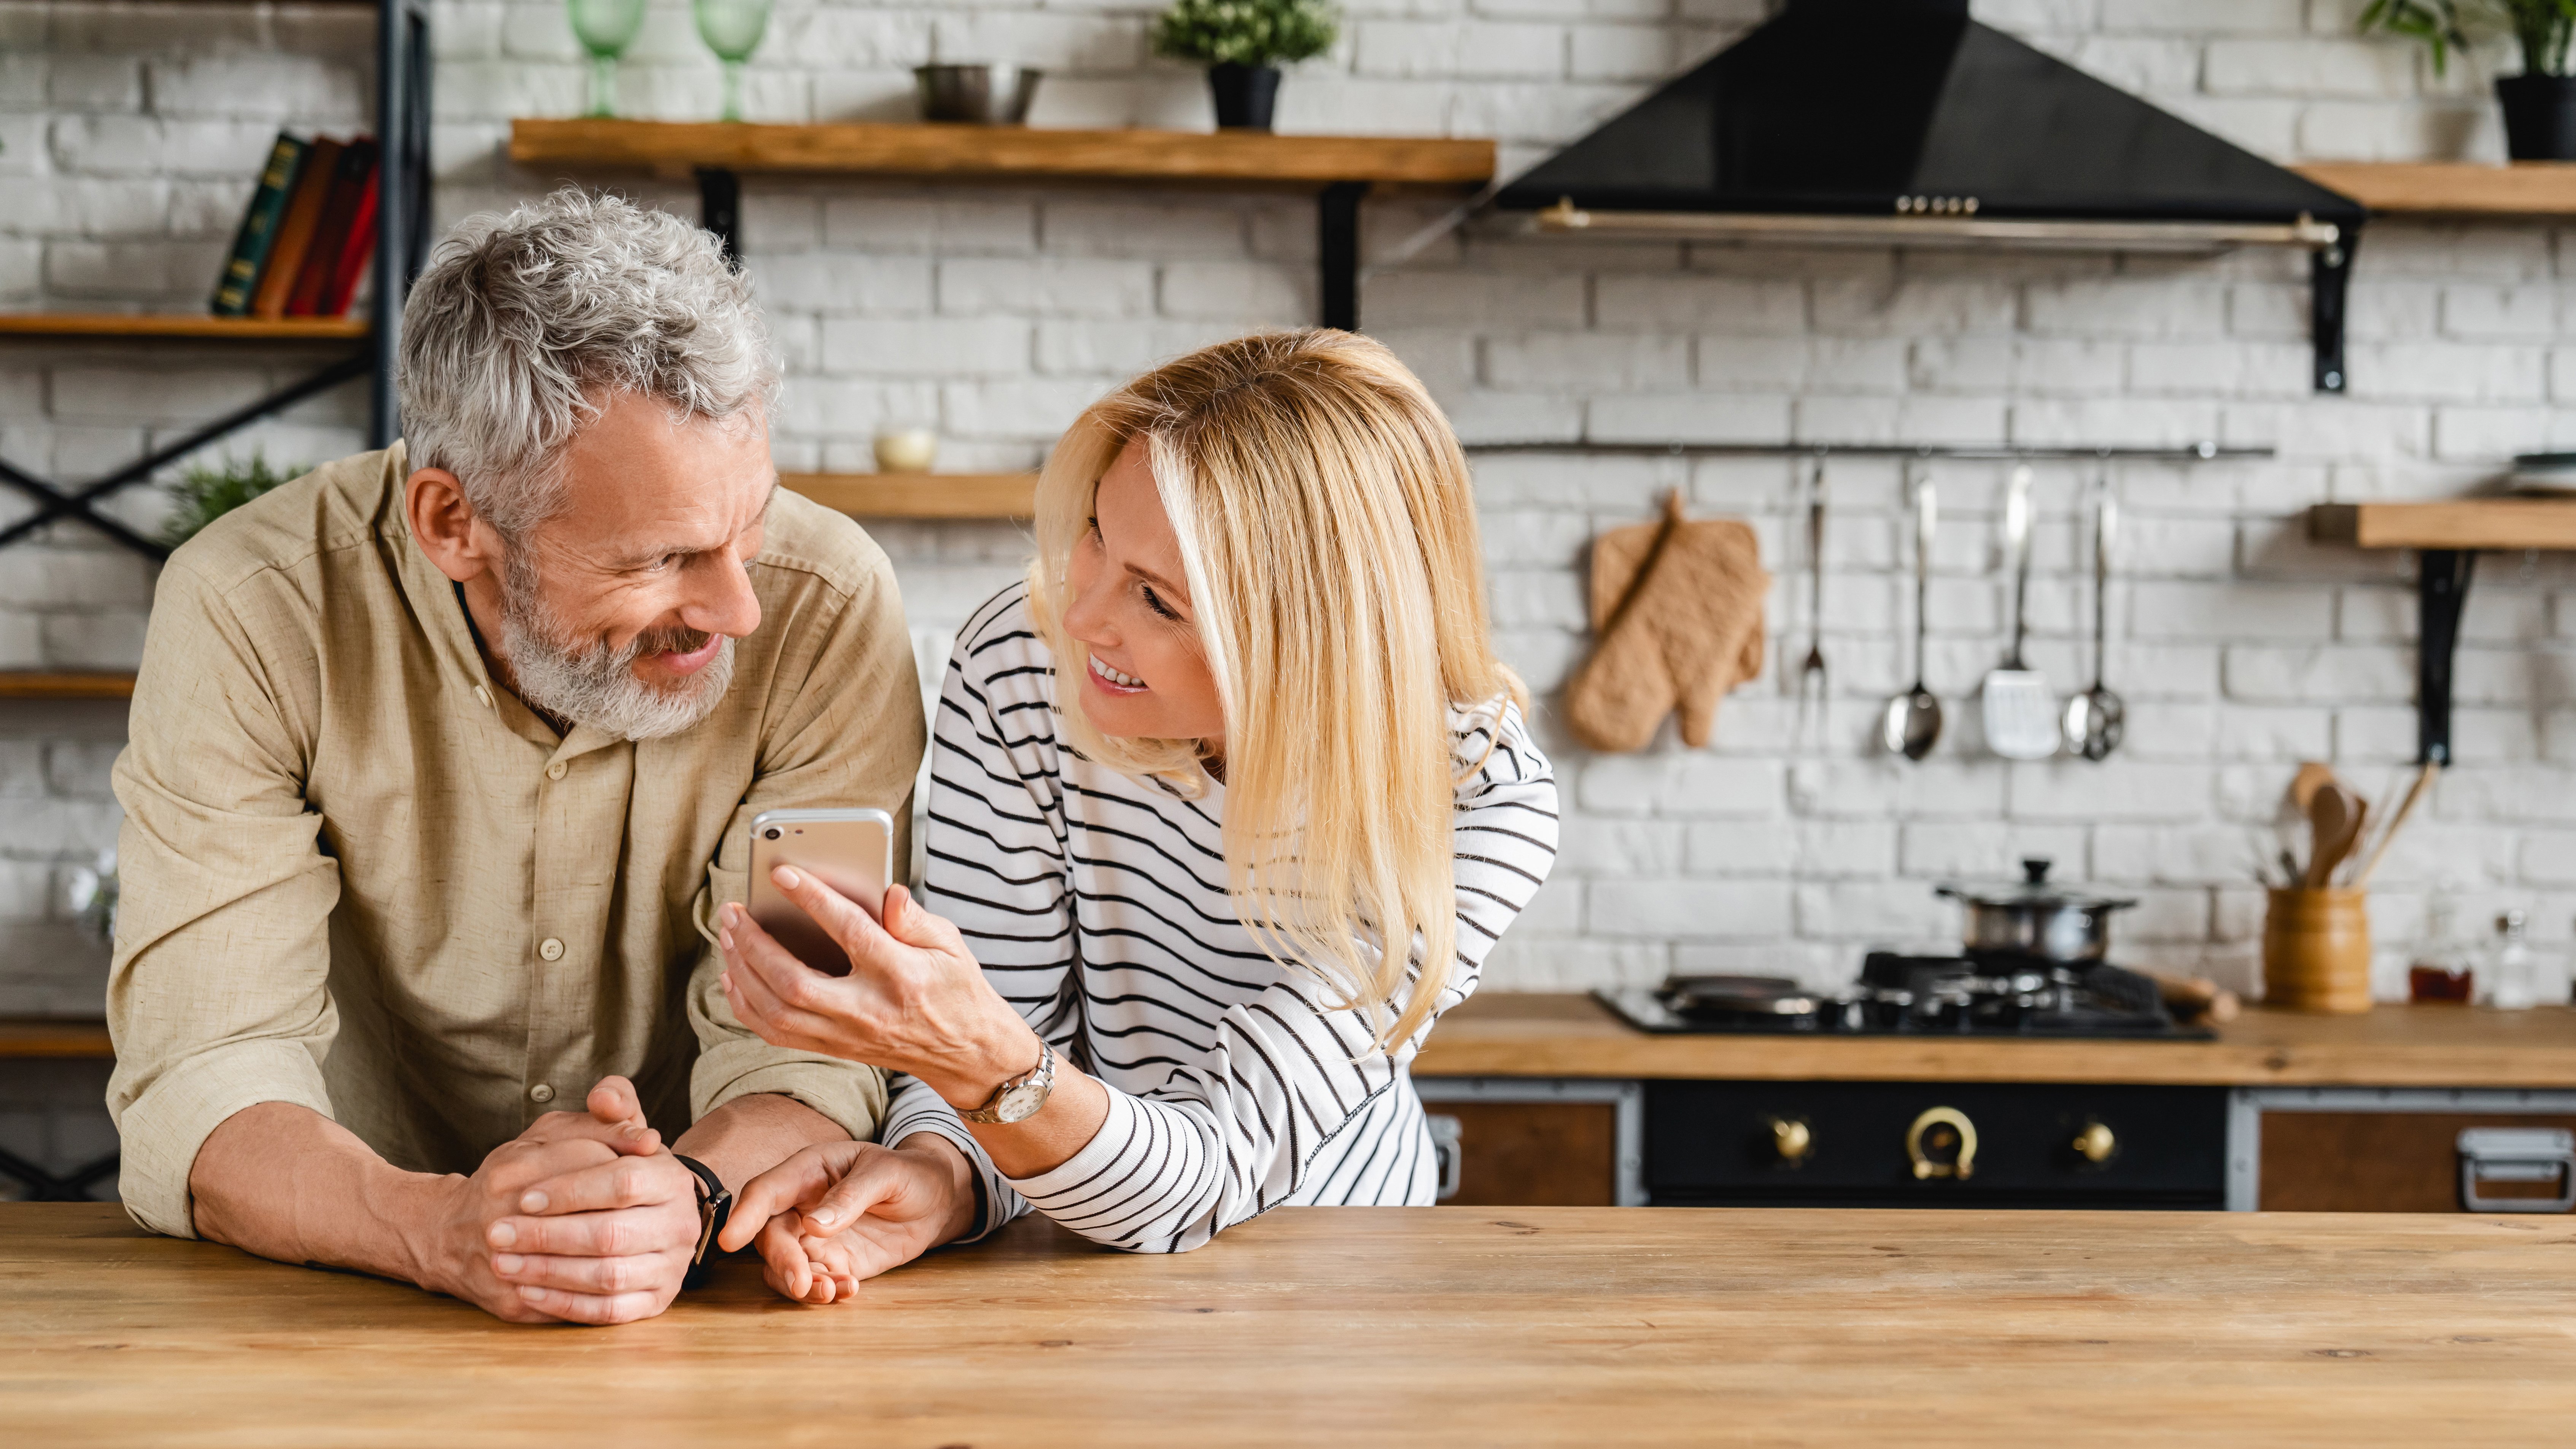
[1337, 237]
[2441, 590]
[402, 236]
[43, 1186]
[2329, 281]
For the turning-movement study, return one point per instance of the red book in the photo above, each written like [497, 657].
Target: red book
[350, 173]
[359, 250]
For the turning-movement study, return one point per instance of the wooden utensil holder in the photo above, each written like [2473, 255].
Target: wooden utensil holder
[2316, 950]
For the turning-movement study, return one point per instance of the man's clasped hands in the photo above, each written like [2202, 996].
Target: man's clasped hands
[586, 1218]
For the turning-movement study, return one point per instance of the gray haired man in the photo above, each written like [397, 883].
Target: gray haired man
[440, 758]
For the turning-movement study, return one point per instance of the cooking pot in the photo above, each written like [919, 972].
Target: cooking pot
[2032, 918]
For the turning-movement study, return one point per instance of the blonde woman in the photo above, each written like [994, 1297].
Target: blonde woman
[1241, 728]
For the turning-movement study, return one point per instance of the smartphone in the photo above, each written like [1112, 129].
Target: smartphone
[850, 850]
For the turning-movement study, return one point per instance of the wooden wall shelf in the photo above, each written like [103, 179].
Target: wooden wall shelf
[167, 327]
[23, 1037]
[33, 684]
[2452, 188]
[2452, 523]
[920, 495]
[931, 149]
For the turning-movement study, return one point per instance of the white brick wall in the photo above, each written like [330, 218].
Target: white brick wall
[128, 135]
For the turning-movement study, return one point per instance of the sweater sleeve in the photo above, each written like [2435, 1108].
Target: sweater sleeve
[1235, 1127]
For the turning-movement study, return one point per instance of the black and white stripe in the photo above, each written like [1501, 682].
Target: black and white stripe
[1097, 905]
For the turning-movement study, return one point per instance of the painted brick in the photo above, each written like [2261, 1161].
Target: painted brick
[1046, 287]
[932, 347]
[1688, 910]
[1605, 361]
[1735, 305]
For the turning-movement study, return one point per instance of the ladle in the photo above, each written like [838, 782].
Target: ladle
[1912, 724]
[2097, 718]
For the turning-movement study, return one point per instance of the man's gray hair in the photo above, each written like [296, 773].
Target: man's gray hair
[524, 323]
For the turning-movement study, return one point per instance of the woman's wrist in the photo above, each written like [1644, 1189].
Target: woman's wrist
[1005, 1051]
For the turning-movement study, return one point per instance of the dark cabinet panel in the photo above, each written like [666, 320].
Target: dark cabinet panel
[1846, 1144]
[2379, 1162]
[1534, 1154]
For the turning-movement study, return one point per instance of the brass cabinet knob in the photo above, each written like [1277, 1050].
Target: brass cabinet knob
[2095, 1143]
[1791, 1139]
[1946, 1131]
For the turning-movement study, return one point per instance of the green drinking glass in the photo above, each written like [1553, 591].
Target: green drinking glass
[732, 29]
[605, 28]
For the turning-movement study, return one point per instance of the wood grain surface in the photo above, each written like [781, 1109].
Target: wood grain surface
[2451, 188]
[2511, 523]
[1253, 158]
[33, 1036]
[105, 325]
[1421, 1326]
[51, 684]
[1535, 1034]
[920, 495]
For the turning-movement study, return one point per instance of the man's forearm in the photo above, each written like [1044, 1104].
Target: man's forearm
[750, 1135]
[286, 1182]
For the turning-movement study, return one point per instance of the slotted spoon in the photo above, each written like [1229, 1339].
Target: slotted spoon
[2020, 713]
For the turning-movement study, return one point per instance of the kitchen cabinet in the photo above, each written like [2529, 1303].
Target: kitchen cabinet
[2366, 1161]
[1534, 1154]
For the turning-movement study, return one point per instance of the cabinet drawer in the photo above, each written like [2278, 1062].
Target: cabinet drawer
[1534, 1154]
[2378, 1162]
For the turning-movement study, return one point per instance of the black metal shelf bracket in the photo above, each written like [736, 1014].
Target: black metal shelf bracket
[720, 209]
[2329, 285]
[43, 1186]
[2441, 588]
[402, 205]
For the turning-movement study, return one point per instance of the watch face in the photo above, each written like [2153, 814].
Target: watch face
[1022, 1102]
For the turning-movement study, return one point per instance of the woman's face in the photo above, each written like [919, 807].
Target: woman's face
[1146, 675]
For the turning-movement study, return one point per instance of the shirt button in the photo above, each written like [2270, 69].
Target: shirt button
[541, 1093]
[555, 771]
[482, 696]
[550, 948]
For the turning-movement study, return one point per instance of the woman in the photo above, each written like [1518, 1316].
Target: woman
[1241, 727]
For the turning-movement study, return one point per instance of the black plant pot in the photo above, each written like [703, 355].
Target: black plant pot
[1245, 95]
[2539, 116]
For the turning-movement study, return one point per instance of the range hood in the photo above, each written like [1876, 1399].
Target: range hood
[1906, 123]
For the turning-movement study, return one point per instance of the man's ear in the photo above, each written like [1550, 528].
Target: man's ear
[455, 538]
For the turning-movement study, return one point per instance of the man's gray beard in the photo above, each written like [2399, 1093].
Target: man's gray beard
[592, 683]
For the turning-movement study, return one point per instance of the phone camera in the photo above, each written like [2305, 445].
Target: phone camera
[770, 834]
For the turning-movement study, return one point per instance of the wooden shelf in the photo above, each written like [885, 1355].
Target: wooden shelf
[180, 325]
[22, 1037]
[2452, 188]
[2454, 523]
[932, 149]
[31, 684]
[920, 495]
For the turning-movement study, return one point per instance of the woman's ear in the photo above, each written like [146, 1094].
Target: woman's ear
[448, 529]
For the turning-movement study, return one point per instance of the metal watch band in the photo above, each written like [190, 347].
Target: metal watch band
[715, 1205]
[1041, 1076]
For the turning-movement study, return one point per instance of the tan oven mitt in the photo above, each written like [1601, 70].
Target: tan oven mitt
[1677, 608]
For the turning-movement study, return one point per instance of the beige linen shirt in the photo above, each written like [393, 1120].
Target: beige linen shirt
[360, 876]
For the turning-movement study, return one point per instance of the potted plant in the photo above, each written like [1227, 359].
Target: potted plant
[207, 494]
[1242, 42]
[2539, 104]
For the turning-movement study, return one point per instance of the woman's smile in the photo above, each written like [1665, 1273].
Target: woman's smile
[1113, 681]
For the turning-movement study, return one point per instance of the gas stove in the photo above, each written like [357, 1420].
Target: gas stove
[1983, 994]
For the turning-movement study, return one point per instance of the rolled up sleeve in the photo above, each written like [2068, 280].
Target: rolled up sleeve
[849, 733]
[218, 994]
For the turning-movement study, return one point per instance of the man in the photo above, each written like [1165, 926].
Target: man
[441, 758]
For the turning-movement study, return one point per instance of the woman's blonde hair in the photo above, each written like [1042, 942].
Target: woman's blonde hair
[1328, 534]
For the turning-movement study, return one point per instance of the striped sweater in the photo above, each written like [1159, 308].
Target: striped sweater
[1096, 903]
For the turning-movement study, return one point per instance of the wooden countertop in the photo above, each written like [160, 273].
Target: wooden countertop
[1529, 1034]
[1429, 1326]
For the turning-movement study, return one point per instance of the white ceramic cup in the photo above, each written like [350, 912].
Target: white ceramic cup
[907, 450]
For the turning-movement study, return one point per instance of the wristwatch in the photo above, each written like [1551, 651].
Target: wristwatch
[715, 1204]
[1019, 1099]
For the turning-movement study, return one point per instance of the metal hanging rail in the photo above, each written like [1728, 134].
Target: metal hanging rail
[1990, 453]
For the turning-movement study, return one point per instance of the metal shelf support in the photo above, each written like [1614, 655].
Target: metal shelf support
[2441, 589]
[2329, 283]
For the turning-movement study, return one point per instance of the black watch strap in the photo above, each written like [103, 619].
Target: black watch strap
[715, 1204]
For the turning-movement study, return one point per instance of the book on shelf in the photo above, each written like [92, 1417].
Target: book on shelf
[323, 257]
[258, 232]
[295, 228]
[358, 247]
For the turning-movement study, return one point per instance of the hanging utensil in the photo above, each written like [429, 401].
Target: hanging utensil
[2097, 718]
[2020, 713]
[2335, 819]
[1912, 723]
[2396, 822]
[1811, 674]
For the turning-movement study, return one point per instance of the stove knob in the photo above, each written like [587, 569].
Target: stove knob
[1792, 1140]
[2095, 1143]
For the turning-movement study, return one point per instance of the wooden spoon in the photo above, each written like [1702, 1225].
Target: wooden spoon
[2335, 817]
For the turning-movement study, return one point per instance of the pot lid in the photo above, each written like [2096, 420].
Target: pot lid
[2034, 889]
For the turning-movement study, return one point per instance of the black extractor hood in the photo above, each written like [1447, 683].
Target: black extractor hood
[1906, 123]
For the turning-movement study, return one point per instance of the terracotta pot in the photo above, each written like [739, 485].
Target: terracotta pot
[2316, 950]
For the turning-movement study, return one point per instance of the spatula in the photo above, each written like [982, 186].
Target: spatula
[2020, 713]
[2335, 817]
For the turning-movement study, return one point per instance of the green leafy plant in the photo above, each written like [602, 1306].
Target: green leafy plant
[206, 494]
[1247, 32]
[2541, 27]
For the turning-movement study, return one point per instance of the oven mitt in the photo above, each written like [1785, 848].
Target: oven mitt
[1677, 608]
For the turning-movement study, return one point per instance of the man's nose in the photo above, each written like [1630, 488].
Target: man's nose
[720, 598]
